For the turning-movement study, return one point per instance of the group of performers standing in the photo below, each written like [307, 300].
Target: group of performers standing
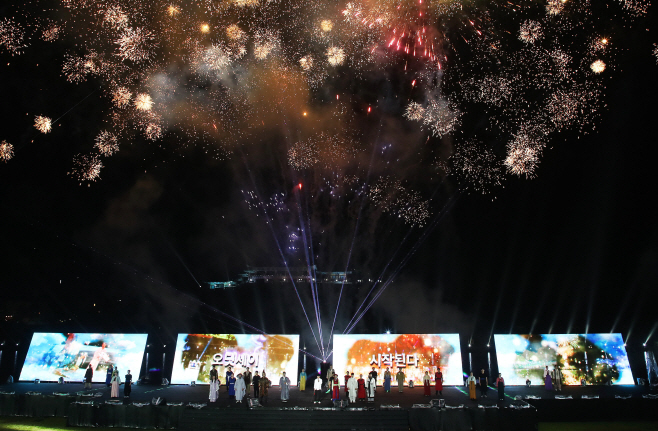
[355, 389]
[112, 379]
[238, 387]
[482, 380]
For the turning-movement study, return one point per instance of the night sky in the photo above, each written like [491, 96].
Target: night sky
[573, 250]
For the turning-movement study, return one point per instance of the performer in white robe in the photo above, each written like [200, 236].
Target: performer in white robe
[372, 385]
[214, 384]
[352, 386]
[240, 388]
[115, 382]
[284, 384]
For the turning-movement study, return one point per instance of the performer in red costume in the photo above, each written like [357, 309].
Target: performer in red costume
[438, 382]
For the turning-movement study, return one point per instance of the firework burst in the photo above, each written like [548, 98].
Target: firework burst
[86, 168]
[143, 102]
[135, 44]
[12, 36]
[6, 151]
[43, 124]
[335, 55]
[598, 66]
[107, 143]
[530, 31]
[121, 97]
[414, 112]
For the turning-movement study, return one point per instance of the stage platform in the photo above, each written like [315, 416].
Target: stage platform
[390, 411]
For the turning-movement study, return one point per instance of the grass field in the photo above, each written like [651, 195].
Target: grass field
[57, 424]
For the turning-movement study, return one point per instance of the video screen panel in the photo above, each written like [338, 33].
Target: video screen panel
[55, 355]
[597, 358]
[413, 353]
[197, 353]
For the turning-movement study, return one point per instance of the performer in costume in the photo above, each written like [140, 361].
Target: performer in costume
[438, 382]
[302, 380]
[284, 384]
[361, 391]
[427, 383]
[374, 375]
[240, 388]
[484, 382]
[548, 382]
[247, 382]
[347, 377]
[229, 374]
[500, 383]
[230, 384]
[317, 389]
[264, 388]
[115, 382]
[330, 376]
[471, 382]
[557, 378]
[89, 374]
[352, 387]
[108, 376]
[400, 378]
[372, 385]
[214, 385]
[335, 388]
[387, 380]
[128, 385]
[256, 381]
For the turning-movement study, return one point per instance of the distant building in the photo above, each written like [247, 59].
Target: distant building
[284, 274]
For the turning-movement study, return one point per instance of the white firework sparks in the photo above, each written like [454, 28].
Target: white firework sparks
[153, 131]
[306, 62]
[326, 25]
[107, 143]
[530, 31]
[86, 168]
[335, 55]
[43, 124]
[522, 160]
[121, 97]
[213, 59]
[115, 17]
[265, 42]
[524, 150]
[135, 44]
[143, 102]
[51, 33]
[304, 154]
[6, 151]
[12, 36]
[414, 112]
[245, 3]
[442, 117]
[598, 66]
[234, 32]
[554, 7]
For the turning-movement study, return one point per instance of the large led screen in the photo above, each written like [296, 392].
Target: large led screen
[197, 353]
[55, 355]
[413, 353]
[597, 358]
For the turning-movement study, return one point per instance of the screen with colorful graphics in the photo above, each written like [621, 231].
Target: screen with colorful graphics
[67, 355]
[412, 353]
[197, 353]
[597, 358]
